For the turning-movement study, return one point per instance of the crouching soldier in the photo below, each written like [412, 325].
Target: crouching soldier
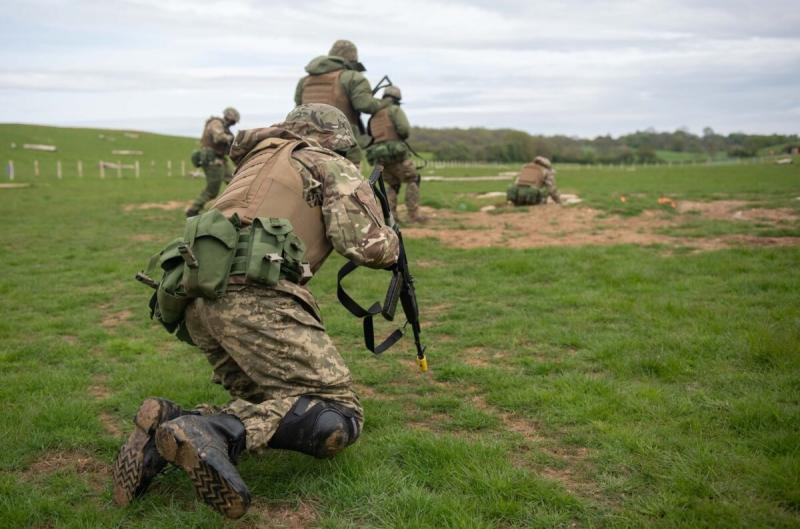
[535, 183]
[294, 199]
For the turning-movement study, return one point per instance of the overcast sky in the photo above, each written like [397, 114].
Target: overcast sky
[579, 68]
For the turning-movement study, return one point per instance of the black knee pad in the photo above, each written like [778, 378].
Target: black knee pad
[320, 430]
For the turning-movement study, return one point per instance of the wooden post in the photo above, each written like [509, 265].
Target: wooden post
[36, 167]
[102, 169]
[80, 169]
[136, 168]
[58, 169]
[119, 168]
[183, 168]
[169, 167]
[11, 169]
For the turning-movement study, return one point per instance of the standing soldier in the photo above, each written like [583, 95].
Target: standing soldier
[336, 79]
[295, 200]
[213, 156]
[535, 183]
[389, 129]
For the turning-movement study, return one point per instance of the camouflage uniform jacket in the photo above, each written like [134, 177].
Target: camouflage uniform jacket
[355, 85]
[353, 219]
[216, 136]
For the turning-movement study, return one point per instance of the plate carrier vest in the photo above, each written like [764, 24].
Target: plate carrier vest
[381, 127]
[325, 88]
[267, 185]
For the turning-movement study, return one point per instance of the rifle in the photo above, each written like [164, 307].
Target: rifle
[401, 287]
[383, 83]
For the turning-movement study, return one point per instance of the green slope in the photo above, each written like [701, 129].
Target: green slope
[89, 146]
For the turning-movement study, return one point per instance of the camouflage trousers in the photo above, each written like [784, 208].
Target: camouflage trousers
[216, 172]
[267, 351]
[395, 174]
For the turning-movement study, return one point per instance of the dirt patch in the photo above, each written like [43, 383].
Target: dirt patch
[579, 226]
[98, 388]
[90, 469]
[280, 515]
[145, 237]
[70, 339]
[116, 319]
[110, 425]
[512, 423]
[166, 206]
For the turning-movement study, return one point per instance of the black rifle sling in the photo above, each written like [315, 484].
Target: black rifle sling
[365, 315]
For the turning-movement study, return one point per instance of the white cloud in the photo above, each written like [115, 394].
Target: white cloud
[570, 67]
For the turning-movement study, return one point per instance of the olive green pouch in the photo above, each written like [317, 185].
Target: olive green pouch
[207, 250]
[274, 252]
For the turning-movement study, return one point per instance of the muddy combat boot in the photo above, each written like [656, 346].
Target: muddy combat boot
[207, 449]
[138, 461]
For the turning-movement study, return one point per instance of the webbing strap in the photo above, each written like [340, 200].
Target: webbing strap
[365, 314]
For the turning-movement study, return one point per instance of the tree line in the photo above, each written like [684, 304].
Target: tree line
[508, 145]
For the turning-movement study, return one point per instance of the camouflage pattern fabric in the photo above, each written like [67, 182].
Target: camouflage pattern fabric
[402, 173]
[216, 172]
[267, 350]
[549, 185]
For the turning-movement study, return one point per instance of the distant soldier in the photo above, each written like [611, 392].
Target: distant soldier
[213, 156]
[336, 79]
[535, 183]
[389, 129]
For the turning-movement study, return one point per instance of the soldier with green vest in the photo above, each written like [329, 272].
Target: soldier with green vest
[212, 156]
[294, 200]
[336, 79]
[534, 184]
[390, 129]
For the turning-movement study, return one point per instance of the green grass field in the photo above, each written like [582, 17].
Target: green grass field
[592, 386]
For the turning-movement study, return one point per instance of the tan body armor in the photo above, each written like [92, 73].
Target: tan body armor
[326, 88]
[381, 127]
[268, 185]
[531, 175]
[207, 140]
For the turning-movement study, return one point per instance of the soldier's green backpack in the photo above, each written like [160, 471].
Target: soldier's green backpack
[524, 195]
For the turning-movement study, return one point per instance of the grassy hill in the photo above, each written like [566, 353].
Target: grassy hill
[89, 146]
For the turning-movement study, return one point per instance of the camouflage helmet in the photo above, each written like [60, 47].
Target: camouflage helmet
[392, 91]
[323, 123]
[544, 162]
[231, 114]
[347, 51]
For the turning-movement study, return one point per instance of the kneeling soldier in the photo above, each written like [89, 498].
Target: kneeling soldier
[293, 201]
[535, 183]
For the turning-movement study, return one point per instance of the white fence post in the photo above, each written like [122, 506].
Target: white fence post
[136, 168]
[11, 169]
[36, 167]
[183, 168]
[58, 170]
[80, 169]
[169, 167]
